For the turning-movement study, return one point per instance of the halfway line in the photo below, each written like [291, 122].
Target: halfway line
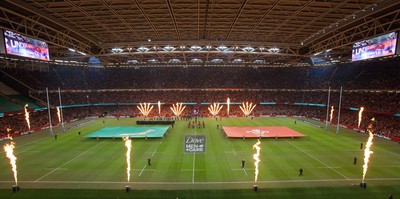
[194, 159]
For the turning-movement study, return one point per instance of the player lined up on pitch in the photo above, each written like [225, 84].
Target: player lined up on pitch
[199, 124]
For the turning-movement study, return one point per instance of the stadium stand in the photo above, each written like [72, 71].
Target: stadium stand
[369, 84]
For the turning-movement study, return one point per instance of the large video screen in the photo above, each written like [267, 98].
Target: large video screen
[383, 45]
[20, 45]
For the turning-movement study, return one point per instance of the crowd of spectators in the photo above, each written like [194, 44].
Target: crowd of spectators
[374, 101]
[40, 119]
[367, 84]
[357, 75]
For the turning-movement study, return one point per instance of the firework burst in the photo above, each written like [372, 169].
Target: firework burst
[247, 108]
[214, 109]
[178, 109]
[145, 108]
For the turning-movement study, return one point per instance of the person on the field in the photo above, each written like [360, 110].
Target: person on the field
[204, 125]
[300, 172]
[217, 126]
[255, 188]
[295, 121]
[361, 145]
[243, 163]
[55, 136]
[79, 133]
[355, 160]
[149, 161]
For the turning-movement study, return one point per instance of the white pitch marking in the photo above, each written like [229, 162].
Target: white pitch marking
[317, 160]
[68, 162]
[194, 159]
[142, 169]
[187, 183]
[329, 167]
[59, 169]
[154, 152]
[192, 169]
[245, 171]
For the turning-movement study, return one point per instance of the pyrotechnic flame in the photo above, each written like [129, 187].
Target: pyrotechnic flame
[247, 108]
[128, 144]
[145, 108]
[59, 114]
[256, 158]
[228, 102]
[159, 108]
[331, 114]
[215, 108]
[178, 109]
[27, 116]
[367, 151]
[360, 116]
[9, 149]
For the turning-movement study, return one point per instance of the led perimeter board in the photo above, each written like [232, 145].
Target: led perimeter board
[380, 46]
[17, 44]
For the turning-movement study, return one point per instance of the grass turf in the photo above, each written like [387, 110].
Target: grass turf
[78, 163]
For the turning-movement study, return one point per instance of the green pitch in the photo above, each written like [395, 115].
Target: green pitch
[77, 162]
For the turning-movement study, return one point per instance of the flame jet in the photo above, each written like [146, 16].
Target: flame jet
[27, 116]
[228, 103]
[59, 115]
[367, 151]
[9, 149]
[360, 116]
[332, 109]
[159, 108]
[256, 158]
[128, 144]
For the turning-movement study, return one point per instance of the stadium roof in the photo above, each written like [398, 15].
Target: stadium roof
[200, 31]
